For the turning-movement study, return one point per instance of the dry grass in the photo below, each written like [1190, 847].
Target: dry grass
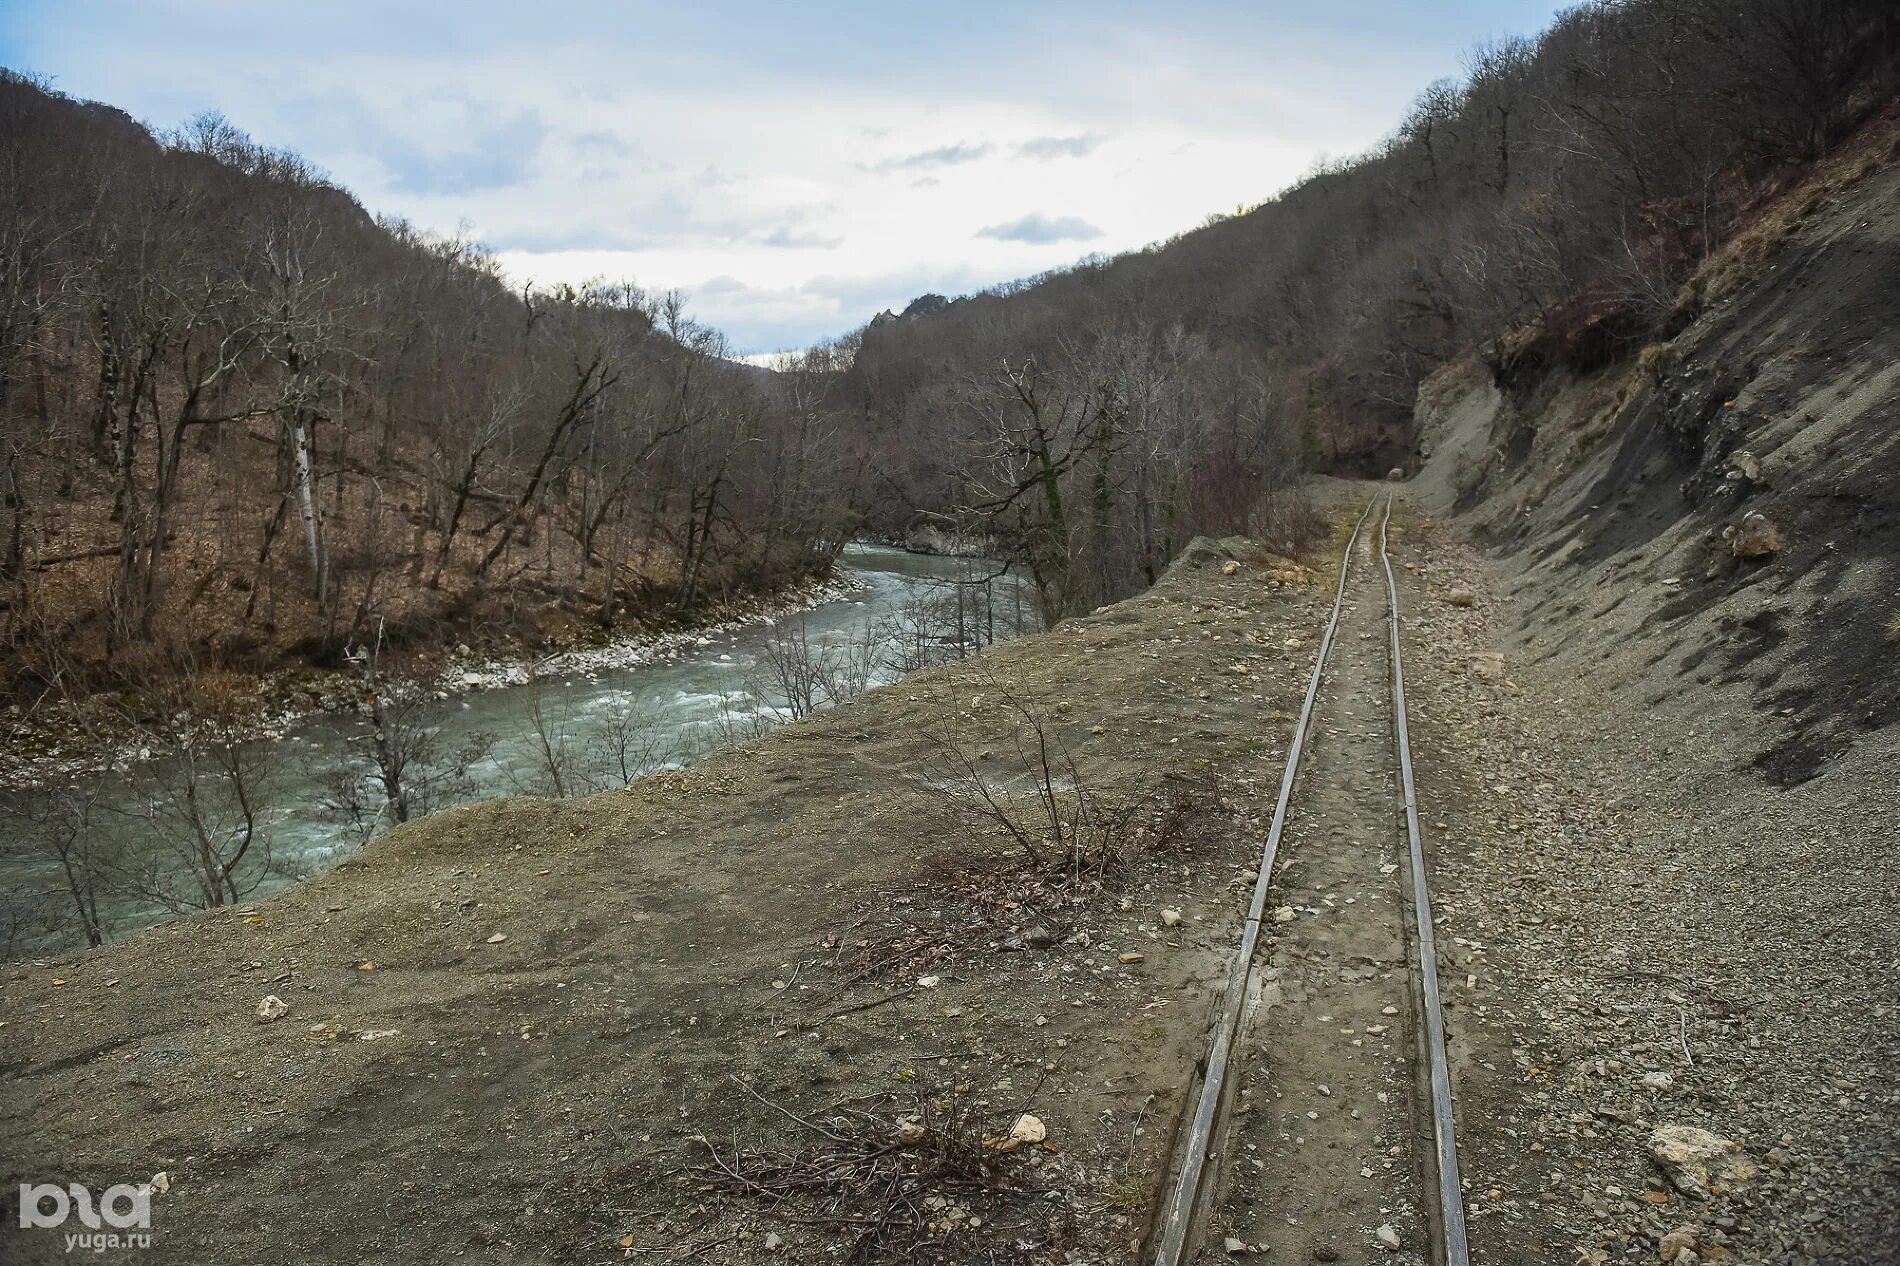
[1751, 250]
[1657, 360]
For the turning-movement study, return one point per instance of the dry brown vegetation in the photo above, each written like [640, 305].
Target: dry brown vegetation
[245, 423]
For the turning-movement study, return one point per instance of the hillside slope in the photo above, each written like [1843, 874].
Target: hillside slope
[245, 427]
[1731, 500]
[1698, 565]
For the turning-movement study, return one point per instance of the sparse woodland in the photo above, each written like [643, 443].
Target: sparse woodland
[244, 423]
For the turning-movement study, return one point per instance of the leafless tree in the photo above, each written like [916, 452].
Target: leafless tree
[206, 823]
[62, 827]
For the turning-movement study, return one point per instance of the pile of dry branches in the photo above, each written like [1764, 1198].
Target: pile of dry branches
[916, 1186]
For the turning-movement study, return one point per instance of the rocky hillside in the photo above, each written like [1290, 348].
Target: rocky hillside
[1700, 599]
[1729, 501]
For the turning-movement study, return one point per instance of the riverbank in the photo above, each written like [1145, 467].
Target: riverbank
[68, 739]
[509, 1025]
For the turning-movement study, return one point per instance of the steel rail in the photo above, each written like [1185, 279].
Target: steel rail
[1171, 1231]
[1451, 1208]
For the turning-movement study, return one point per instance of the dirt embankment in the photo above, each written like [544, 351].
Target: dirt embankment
[529, 1031]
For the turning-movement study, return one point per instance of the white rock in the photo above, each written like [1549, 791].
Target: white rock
[498, 938]
[929, 982]
[772, 1242]
[1659, 1081]
[1698, 1161]
[1388, 1237]
[1028, 1129]
[1232, 1245]
[272, 1008]
[1171, 917]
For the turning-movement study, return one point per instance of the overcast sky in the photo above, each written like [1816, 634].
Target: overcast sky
[793, 167]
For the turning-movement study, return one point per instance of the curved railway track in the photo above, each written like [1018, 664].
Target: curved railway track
[1206, 1173]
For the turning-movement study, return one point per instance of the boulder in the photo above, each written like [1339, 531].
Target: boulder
[1684, 1239]
[1755, 536]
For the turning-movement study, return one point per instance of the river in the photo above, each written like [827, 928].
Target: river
[135, 836]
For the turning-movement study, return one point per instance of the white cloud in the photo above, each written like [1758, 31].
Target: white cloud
[1040, 148]
[794, 173]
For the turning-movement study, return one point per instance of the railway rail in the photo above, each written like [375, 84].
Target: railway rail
[1178, 1227]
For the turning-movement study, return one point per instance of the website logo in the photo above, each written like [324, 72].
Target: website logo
[120, 1217]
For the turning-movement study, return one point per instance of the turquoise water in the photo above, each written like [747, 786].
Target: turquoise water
[571, 732]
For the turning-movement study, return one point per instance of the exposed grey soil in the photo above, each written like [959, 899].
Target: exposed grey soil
[1682, 758]
[1656, 938]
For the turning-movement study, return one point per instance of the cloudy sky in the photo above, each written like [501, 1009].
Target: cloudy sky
[794, 167]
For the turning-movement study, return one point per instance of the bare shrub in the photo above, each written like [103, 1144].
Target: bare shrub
[60, 828]
[799, 674]
[953, 620]
[206, 817]
[557, 752]
[1036, 797]
[1287, 521]
[411, 771]
[624, 746]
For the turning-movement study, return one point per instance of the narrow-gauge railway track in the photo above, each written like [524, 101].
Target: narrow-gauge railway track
[1206, 1176]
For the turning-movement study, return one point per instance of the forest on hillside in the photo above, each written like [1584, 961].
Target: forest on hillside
[243, 423]
[1555, 205]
